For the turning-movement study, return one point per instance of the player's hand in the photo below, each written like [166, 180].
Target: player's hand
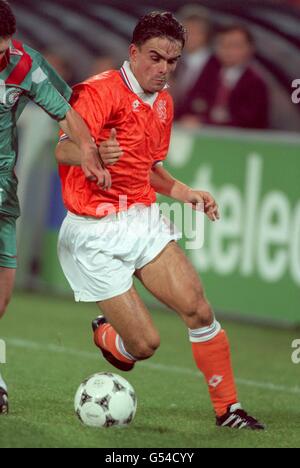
[203, 201]
[110, 150]
[94, 170]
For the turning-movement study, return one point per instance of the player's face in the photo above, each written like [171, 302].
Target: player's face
[4, 45]
[233, 49]
[154, 61]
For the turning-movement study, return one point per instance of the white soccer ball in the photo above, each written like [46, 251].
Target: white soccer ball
[105, 400]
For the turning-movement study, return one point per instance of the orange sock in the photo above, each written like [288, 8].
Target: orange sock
[106, 337]
[213, 359]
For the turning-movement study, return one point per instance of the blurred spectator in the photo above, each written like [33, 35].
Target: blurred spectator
[229, 91]
[197, 52]
[102, 64]
[61, 64]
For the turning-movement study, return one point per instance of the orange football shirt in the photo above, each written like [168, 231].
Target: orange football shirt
[108, 101]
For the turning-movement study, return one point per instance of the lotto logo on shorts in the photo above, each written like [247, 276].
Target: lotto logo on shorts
[2, 352]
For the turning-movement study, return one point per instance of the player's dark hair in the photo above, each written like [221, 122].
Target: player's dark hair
[157, 24]
[237, 28]
[8, 25]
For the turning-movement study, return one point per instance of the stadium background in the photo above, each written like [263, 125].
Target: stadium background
[250, 262]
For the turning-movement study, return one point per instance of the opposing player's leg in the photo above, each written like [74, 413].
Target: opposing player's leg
[126, 334]
[8, 260]
[8, 265]
[7, 281]
[172, 279]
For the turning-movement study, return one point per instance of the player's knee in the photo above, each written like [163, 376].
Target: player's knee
[145, 348]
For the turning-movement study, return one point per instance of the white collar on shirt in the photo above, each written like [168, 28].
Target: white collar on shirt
[134, 85]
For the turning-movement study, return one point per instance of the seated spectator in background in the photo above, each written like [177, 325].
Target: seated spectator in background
[196, 54]
[229, 92]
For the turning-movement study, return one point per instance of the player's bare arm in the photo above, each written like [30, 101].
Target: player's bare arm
[69, 154]
[74, 126]
[163, 183]
[109, 151]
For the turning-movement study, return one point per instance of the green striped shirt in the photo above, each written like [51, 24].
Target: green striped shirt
[27, 77]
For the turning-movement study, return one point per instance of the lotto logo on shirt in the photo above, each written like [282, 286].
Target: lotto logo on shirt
[135, 105]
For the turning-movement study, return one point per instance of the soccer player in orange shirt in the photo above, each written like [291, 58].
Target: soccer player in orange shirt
[109, 236]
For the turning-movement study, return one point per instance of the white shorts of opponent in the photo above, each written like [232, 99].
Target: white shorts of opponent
[99, 256]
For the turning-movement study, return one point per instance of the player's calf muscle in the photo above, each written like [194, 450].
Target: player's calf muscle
[193, 305]
[204, 316]
[195, 310]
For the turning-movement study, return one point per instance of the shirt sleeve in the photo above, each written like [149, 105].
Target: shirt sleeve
[48, 90]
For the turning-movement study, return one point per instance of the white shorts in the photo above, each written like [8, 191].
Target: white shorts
[99, 256]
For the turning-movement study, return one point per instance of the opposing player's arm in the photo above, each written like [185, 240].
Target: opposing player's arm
[165, 184]
[45, 95]
[68, 153]
[95, 107]
[57, 81]
[109, 151]
[81, 149]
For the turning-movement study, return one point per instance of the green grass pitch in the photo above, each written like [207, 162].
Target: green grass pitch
[50, 351]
